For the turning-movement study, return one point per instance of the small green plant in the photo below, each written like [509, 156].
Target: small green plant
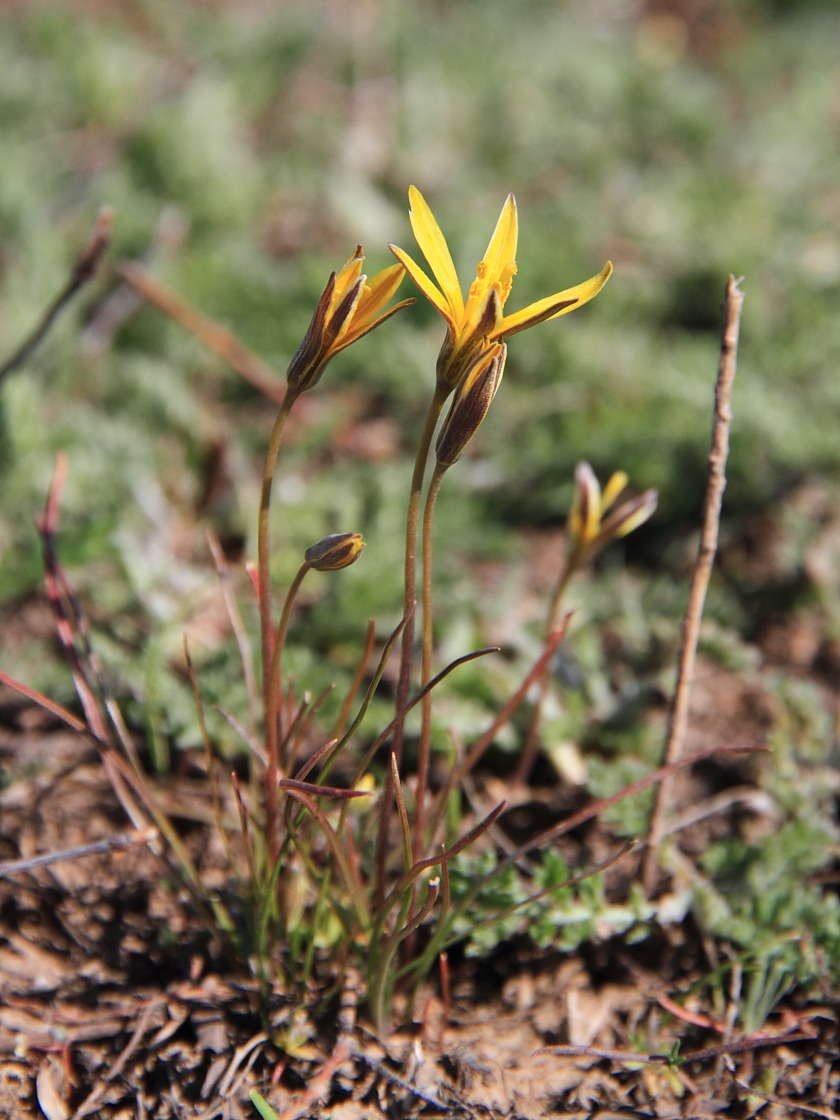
[356, 874]
[344, 867]
[352, 892]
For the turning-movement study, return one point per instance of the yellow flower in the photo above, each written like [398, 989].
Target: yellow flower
[597, 518]
[479, 321]
[349, 307]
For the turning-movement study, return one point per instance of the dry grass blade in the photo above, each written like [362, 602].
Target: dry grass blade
[119, 843]
[65, 609]
[805, 1109]
[84, 269]
[473, 756]
[238, 628]
[216, 338]
[145, 1022]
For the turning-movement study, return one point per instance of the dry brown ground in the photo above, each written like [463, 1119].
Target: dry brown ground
[113, 1004]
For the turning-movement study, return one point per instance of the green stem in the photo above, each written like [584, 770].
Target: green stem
[273, 713]
[574, 561]
[407, 647]
[426, 663]
[266, 629]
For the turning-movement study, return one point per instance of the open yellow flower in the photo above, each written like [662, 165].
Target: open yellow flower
[479, 321]
[348, 308]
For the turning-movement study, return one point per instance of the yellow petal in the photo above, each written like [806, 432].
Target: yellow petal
[359, 328]
[585, 514]
[435, 250]
[553, 306]
[349, 272]
[380, 290]
[586, 291]
[613, 489]
[501, 249]
[486, 316]
[627, 517]
[637, 512]
[425, 284]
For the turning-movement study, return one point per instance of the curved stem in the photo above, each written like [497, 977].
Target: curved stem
[573, 562]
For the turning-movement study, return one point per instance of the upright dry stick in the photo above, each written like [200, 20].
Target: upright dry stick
[678, 719]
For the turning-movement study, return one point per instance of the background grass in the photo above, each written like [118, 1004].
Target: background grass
[682, 140]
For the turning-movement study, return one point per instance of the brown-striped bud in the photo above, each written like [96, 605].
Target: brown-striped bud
[457, 357]
[331, 317]
[337, 551]
[471, 404]
[348, 308]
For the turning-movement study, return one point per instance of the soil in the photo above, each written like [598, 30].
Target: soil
[115, 1005]
[114, 1002]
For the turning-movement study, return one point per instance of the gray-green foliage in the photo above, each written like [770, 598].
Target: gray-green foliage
[284, 136]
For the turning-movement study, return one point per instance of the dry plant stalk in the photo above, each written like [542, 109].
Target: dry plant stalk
[83, 270]
[222, 342]
[119, 843]
[678, 718]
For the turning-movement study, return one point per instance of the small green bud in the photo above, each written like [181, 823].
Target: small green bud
[332, 553]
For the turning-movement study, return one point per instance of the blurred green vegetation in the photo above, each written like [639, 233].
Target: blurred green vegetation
[682, 141]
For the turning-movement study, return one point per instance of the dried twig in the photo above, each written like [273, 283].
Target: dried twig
[84, 268]
[118, 843]
[716, 485]
[216, 338]
[144, 1024]
[120, 303]
[741, 1046]
[785, 1103]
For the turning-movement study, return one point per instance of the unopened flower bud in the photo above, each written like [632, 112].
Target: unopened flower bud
[471, 404]
[317, 348]
[348, 308]
[337, 551]
[454, 362]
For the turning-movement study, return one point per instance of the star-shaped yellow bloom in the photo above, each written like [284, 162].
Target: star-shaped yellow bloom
[480, 321]
[348, 308]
